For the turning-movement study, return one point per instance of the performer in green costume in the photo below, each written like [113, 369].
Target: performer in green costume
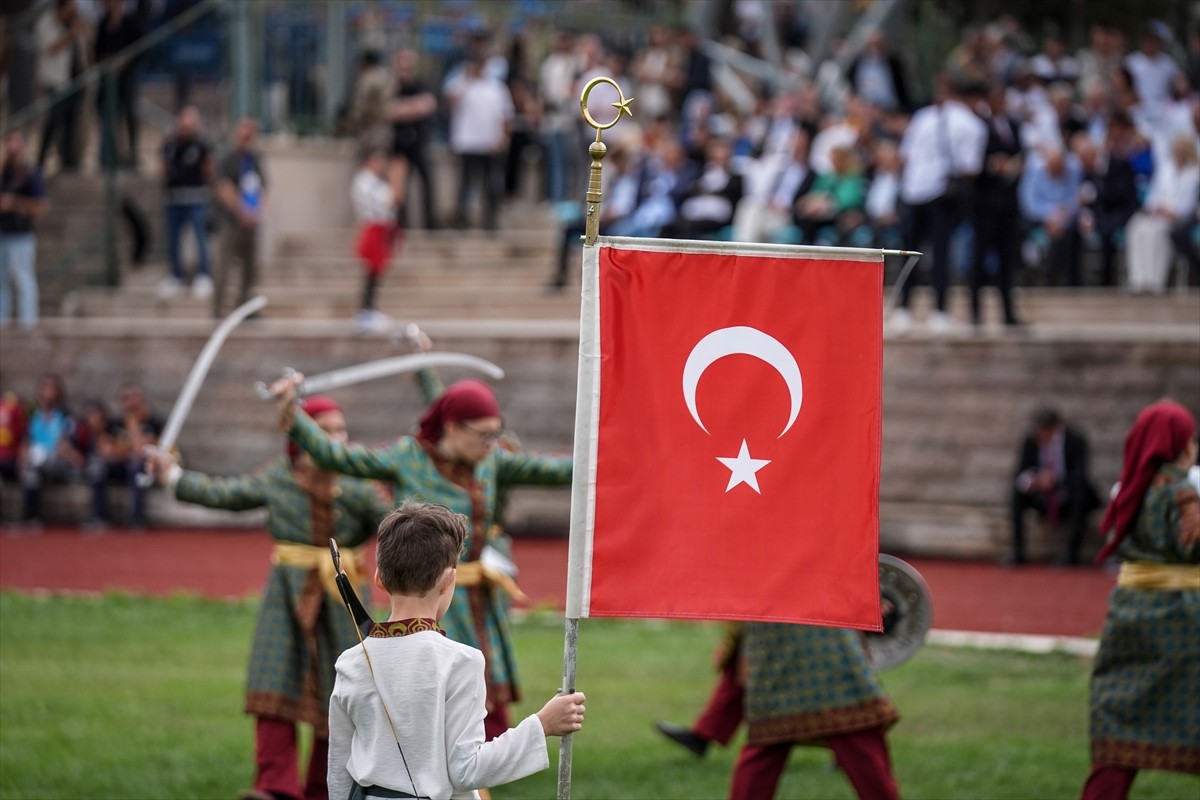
[302, 626]
[453, 460]
[1145, 693]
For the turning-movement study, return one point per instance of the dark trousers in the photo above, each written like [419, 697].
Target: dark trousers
[995, 232]
[276, 760]
[1072, 507]
[1181, 237]
[418, 163]
[1063, 258]
[514, 162]
[862, 755]
[481, 169]
[1107, 228]
[933, 221]
[195, 216]
[126, 112]
[238, 250]
[59, 128]
[102, 473]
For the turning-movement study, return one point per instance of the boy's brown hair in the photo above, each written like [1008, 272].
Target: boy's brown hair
[416, 543]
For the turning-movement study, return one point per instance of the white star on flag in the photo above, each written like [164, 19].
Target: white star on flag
[743, 468]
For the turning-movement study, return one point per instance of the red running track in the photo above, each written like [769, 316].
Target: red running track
[972, 596]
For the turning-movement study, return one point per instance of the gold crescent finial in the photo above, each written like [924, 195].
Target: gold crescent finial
[597, 151]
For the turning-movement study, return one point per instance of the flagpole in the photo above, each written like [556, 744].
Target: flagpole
[586, 418]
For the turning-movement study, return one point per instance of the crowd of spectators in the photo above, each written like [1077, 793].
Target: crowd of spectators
[1059, 155]
[45, 442]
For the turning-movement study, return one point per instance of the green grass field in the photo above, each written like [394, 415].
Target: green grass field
[121, 697]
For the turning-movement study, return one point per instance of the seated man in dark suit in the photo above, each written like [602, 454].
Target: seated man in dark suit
[1052, 478]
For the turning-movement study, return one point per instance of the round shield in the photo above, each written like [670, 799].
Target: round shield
[907, 613]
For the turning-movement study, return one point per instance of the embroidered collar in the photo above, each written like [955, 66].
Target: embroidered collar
[403, 627]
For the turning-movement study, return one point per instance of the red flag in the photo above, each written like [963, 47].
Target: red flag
[730, 431]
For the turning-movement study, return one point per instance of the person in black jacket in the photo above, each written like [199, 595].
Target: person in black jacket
[877, 75]
[118, 30]
[997, 209]
[1110, 193]
[1052, 478]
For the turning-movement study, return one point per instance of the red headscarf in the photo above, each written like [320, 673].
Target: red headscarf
[463, 401]
[1158, 436]
[314, 406]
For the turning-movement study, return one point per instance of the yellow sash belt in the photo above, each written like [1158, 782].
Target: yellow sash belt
[1143, 575]
[307, 556]
[474, 573]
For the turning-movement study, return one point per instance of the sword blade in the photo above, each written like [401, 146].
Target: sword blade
[385, 367]
[195, 378]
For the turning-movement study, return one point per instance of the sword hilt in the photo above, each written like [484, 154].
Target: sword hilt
[143, 479]
[264, 391]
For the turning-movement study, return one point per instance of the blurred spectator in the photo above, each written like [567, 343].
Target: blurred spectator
[62, 55]
[763, 216]
[707, 204]
[655, 74]
[1109, 195]
[883, 197]
[1053, 65]
[1070, 120]
[697, 69]
[123, 454]
[877, 75]
[481, 114]
[851, 131]
[375, 199]
[668, 174]
[97, 437]
[13, 427]
[22, 201]
[997, 210]
[833, 208]
[117, 30]
[620, 196]
[49, 455]
[1029, 102]
[368, 119]
[943, 152]
[560, 115]
[523, 142]
[241, 203]
[1170, 203]
[969, 62]
[1100, 59]
[413, 111]
[1052, 479]
[187, 176]
[1049, 194]
[1152, 71]
[1174, 119]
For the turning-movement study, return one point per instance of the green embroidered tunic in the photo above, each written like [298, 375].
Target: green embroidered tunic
[1145, 691]
[804, 683]
[301, 629]
[419, 472]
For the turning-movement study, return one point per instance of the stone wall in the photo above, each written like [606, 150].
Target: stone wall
[954, 408]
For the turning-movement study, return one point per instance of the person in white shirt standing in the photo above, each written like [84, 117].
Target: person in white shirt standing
[1171, 201]
[61, 33]
[375, 200]
[481, 118]
[1152, 71]
[943, 153]
[408, 704]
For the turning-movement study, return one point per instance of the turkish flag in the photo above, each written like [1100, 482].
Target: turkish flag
[727, 447]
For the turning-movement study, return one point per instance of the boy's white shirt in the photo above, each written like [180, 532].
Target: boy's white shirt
[434, 689]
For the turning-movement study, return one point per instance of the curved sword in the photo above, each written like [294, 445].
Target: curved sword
[195, 378]
[384, 367]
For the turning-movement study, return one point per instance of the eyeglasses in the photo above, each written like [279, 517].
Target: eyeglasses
[486, 437]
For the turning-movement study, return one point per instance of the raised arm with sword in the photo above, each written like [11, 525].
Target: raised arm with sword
[195, 378]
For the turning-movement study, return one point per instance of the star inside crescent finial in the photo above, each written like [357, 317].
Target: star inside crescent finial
[622, 107]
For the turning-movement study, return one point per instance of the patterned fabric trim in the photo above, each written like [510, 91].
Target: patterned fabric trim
[875, 713]
[1143, 755]
[403, 627]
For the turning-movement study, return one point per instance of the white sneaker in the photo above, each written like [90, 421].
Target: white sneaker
[169, 287]
[202, 287]
[941, 322]
[900, 321]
